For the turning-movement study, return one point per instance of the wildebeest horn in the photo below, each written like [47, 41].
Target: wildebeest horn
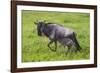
[35, 23]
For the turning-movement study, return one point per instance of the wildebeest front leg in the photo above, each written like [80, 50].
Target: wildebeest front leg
[55, 45]
[50, 44]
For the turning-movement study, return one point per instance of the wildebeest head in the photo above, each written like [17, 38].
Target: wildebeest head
[40, 26]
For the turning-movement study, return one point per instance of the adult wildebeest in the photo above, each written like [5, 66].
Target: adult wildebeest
[57, 33]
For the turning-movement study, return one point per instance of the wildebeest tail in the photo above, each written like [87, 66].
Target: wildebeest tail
[76, 42]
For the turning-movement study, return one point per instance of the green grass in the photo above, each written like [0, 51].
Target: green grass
[34, 48]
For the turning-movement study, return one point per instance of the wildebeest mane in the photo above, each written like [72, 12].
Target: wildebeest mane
[49, 23]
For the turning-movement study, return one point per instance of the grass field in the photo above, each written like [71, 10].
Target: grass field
[34, 48]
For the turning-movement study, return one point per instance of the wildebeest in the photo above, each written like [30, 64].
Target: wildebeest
[58, 33]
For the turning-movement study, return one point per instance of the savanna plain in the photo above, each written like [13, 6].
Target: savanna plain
[34, 47]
